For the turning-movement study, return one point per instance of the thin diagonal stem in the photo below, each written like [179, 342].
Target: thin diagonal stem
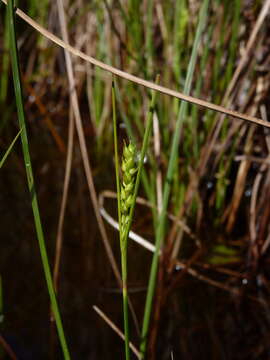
[135, 79]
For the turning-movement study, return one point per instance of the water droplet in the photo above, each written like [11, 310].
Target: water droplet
[32, 98]
[259, 281]
[178, 267]
[138, 158]
[209, 185]
[248, 193]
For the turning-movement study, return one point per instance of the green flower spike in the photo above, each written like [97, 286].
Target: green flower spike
[129, 170]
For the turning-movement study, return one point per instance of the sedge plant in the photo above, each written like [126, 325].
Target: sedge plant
[126, 196]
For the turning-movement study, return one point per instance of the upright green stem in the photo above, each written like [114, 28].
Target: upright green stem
[124, 227]
[167, 186]
[30, 179]
[125, 302]
[123, 249]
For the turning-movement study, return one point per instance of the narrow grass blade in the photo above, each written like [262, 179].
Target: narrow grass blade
[167, 187]
[123, 251]
[9, 149]
[145, 144]
[124, 228]
[30, 179]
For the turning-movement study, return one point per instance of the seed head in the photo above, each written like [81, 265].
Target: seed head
[126, 197]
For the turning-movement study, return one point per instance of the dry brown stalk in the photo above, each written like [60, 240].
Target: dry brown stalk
[85, 157]
[116, 329]
[135, 79]
[7, 348]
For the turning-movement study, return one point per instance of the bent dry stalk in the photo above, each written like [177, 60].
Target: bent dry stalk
[126, 200]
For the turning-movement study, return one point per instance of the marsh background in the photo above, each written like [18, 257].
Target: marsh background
[220, 189]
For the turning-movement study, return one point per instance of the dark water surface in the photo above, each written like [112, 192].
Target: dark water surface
[198, 320]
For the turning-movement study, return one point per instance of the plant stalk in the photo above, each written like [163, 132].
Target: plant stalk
[30, 179]
[167, 187]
